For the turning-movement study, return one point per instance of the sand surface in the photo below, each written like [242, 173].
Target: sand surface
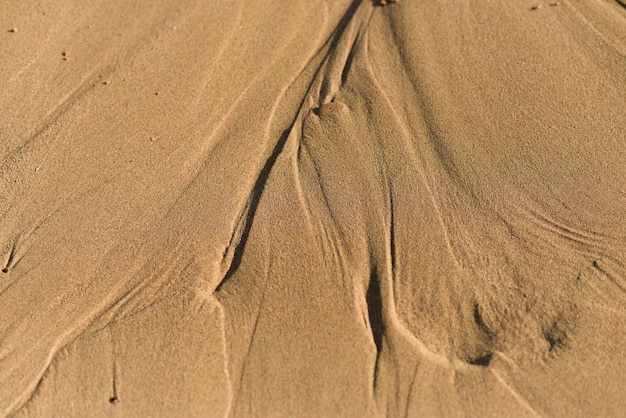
[312, 208]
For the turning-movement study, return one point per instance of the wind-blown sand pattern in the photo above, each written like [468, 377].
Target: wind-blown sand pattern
[313, 208]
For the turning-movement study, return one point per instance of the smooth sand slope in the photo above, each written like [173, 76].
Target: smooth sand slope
[312, 208]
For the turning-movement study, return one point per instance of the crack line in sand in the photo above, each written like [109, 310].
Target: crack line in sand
[268, 267]
[515, 394]
[253, 204]
[114, 399]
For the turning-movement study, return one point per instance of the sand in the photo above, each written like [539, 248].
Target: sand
[313, 208]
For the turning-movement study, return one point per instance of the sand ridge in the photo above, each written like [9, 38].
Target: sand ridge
[313, 209]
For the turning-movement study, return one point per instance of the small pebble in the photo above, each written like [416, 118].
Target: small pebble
[13, 30]
[536, 7]
[152, 138]
[327, 108]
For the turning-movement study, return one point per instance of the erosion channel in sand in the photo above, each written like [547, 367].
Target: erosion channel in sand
[312, 208]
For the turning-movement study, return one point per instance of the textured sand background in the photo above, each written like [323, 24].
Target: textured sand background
[312, 208]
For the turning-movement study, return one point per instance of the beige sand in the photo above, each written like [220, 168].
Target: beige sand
[313, 208]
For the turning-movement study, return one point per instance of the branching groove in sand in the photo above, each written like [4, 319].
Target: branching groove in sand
[314, 208]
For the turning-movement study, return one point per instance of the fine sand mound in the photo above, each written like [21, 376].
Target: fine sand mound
[313, 208]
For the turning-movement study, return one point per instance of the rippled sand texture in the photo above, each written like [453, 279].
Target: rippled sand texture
[313, 208]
